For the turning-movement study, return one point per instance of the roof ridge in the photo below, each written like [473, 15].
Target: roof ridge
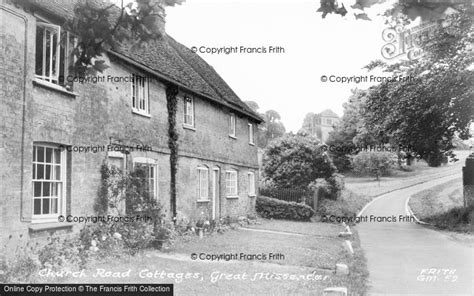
[197, 68]
[192, 67]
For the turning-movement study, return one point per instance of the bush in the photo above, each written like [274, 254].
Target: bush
[294, 161]
[348, 205]
[330, 188]
[60, 253]
[373, 163]
[269, 207]
[457, 219]
[336, 183]
[22, 267]
[111, 239]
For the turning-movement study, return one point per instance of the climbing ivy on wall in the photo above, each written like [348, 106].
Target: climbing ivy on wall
[172, 104]
[112, 189]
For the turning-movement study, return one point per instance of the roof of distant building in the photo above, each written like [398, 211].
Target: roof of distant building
[328, 113]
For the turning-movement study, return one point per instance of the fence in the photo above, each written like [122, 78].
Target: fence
[286, 194]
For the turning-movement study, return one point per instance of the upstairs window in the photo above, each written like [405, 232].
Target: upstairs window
[188, 111]
[53, 54]
[251, 135]
[232, 125]
[140, 99]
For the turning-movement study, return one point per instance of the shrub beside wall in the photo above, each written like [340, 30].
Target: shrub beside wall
[330, 188]
[269, 207]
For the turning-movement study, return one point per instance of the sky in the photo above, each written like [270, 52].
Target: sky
[288, 82]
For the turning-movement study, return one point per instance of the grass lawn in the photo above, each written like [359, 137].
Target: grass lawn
[361, 190]
[330, 230]
[309, 252]
[348, 205]
[438, 199]
[367, 188]
[442, 206]
[421, 172]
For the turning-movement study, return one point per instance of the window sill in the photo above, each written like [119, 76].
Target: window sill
[232, 196]
[141, 113]
[252, 195]
[233, 137]
[189, 127]
[35, 227]
[54, 87]
[203, 200]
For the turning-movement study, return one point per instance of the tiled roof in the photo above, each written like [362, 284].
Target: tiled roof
[174, 61]
[328, 113]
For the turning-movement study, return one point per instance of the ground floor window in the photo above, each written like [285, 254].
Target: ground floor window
[203, 184]
[251, 181]
[48, 178]
[231, 183]
[151, 174]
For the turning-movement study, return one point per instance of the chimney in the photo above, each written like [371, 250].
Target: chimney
[160, 18]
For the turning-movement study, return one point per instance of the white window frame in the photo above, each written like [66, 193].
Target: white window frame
[51, 28]
[231, 183]
[203, 184]
[232, 123]
[251, 180]
[117, 154]
[251, 134]
[140, 93]
[61, 205]
[187, 101]
[152, 163]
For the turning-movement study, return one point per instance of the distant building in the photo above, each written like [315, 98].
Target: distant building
[319, 125]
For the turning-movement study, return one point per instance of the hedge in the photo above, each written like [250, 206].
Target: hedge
[269, 207]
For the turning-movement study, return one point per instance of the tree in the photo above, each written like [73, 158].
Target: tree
[294, 161]
[102, 25]
[310, 127]
[253, 105]
[272, 127]
[407, 9]
[436, 102]
[352, 131]
[373, 163]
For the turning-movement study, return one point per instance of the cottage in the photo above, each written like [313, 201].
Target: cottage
[48, 116]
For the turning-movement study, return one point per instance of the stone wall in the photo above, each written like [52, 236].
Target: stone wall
[468, 181]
